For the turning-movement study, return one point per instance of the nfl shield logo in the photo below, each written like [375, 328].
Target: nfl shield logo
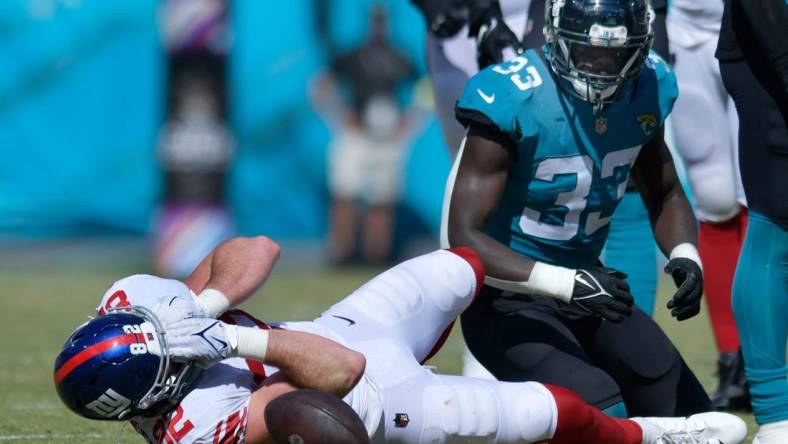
[601, 126]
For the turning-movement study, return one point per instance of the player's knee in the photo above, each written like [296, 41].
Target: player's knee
[700, 129]
[461, 278]
[509, 412]
[718, 209]
[713, 203]
[473, 259]
[455, 411]
[529, 411]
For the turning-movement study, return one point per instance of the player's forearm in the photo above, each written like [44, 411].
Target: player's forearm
[314, 362]
[670, 213]
[474, 195]
[500, 261]
[234, 271]
[513, 272]
[674, 223]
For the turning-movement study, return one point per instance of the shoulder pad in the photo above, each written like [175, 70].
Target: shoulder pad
[665, 82]
[496, 96]
[485, 102]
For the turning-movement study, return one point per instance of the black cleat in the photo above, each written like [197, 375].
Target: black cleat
[732, 392]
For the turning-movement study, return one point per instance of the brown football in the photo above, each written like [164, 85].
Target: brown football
[313, 417]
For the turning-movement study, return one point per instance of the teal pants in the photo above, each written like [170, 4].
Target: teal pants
[760, 306]
[631, 248]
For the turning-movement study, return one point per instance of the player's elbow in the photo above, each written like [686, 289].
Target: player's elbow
[460, 235]
[266, 246]
[350, 368]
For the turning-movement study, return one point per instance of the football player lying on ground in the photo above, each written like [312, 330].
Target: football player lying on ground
[157, 355]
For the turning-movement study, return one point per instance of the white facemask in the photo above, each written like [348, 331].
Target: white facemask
[590, 94]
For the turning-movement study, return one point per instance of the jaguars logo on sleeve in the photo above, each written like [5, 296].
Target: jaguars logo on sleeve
[659, 81]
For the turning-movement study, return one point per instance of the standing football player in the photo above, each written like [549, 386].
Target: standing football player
[704, 126]
[367, 348]
[552, 139]
[753, 55]
[453, 58]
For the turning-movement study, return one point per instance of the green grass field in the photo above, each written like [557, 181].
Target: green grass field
[41, 305]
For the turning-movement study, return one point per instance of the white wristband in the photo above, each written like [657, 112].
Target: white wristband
[545, 280]
[213, 302]
[249, 342]
[686, 250]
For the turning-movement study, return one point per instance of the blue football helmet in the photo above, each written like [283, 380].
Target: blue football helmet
[116, 366]
[595, 46]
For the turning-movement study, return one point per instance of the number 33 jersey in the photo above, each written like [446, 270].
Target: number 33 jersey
[570, 166]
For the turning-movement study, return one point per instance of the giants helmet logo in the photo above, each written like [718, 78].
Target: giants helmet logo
[110, 405]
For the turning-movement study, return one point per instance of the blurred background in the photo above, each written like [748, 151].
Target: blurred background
[135, 135]
[182, 122]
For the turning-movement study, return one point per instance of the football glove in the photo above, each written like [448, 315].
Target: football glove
[688, 277]
[444, 17]
[204, 341]
[603, 292]
[495, 42]
[173, 309]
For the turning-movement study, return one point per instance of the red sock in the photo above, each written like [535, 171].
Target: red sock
[720, 244]
[579, 422]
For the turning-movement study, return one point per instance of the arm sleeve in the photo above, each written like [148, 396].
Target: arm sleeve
[768, 20]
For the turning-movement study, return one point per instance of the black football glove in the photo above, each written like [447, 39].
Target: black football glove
[444, 18]
[492, 39]
[688, 277]
[603, 292]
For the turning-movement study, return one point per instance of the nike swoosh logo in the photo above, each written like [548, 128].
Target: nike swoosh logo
[224, 344]
[202, 334]
[583, 281]
[485, 97]
[349, 321]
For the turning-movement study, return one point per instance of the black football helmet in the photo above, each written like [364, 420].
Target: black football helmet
[596, 46]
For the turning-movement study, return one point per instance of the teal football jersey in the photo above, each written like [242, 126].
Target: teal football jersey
[571, 167]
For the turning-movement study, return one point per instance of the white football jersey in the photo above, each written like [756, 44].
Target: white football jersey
[227, 386]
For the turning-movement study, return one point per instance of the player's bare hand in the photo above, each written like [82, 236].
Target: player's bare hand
[688, 277]
[603, 292]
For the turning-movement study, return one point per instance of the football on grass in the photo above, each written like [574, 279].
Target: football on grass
[313, 417]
